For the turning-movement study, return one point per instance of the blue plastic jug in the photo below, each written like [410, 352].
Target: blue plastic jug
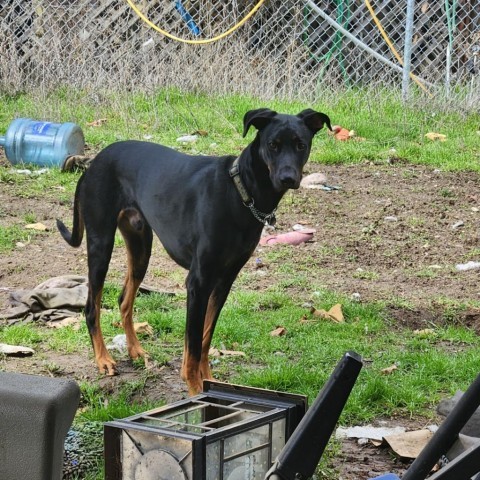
[44, 144]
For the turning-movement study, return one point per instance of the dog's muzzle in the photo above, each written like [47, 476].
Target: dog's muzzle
[287, 178]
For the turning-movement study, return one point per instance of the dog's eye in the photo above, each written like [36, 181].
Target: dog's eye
[301, 146]
[272, 146]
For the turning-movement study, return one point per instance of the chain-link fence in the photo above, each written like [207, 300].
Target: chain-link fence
[286, 48]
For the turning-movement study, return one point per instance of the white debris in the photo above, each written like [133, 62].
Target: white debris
[119, 342]
[367, 431]
[471, 265]
[187, 138]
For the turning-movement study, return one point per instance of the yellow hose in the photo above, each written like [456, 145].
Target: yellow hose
[392, 48]
[196, 42]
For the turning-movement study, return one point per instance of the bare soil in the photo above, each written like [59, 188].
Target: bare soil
[392, 232]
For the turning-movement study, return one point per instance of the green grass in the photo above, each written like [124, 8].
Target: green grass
[302, 359]
[379, 117]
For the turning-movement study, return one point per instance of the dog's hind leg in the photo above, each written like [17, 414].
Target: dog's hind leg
[138, 239]
[99, 253]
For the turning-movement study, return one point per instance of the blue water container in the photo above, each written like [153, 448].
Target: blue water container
[45, 144]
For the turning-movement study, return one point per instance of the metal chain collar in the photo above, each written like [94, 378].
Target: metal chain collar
[265, 218]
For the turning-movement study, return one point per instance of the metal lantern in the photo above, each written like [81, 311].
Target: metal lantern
[227, 432]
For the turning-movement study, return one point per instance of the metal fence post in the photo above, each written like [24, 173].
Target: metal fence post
[407, 53]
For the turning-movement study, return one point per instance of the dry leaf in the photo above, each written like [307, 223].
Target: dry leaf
[389, 370]
[304, 319]
[97, 123]
[202, 133]
[335, 313]
[143, 327]
[424, 331]
[278, 332]
[69, 321]
[36, 226]
[436, 136]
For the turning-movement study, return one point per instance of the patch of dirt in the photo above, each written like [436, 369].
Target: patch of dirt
[392, 233]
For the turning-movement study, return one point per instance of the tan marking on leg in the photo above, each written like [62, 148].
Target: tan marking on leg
[191, 373]
[208, 329]
[104, 361]
[126, 223]
[135, 350]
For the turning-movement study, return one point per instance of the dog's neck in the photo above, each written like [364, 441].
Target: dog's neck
[255, 176]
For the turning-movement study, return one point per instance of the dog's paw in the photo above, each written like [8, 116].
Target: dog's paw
[106, 365]
[136, 351]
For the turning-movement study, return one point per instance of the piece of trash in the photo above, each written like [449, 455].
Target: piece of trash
[298, 227]
[342, 134]
[97, 123]
[457, 225]
[15, 350]
[215, 352]
[119, 342]
[278, 332]
[20, 245]
[24, 171]
[143, 327]
[314, 181]
[36, 226]
[259, 263]
[147, 137]
[389, 370]
[335, 313]
[471, 265]
[436, 137]
[367, 431]
[391, 218]
[289, 238]
[409, 444]
[355, 296]
[187, 138]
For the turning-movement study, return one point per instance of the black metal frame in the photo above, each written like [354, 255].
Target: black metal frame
[272, 406]
[302, 452]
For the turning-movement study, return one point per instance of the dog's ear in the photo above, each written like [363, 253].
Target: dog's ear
[314, 120]
[258, 118]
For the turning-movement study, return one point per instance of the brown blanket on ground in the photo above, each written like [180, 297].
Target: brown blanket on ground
[55, 299]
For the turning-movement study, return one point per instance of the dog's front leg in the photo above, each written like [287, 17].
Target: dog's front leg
[215, 304]
[197, 301]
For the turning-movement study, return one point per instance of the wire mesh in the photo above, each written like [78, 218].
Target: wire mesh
[288, 48]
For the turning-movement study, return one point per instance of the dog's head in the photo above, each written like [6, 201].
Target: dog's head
[284, 142]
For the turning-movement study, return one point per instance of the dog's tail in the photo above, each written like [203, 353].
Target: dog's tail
[74, 238]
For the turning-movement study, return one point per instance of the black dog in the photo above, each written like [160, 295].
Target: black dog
[208, 212]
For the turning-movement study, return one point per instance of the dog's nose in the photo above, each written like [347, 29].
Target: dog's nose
[288, 179]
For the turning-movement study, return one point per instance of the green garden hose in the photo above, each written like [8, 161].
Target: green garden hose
[343, 18]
